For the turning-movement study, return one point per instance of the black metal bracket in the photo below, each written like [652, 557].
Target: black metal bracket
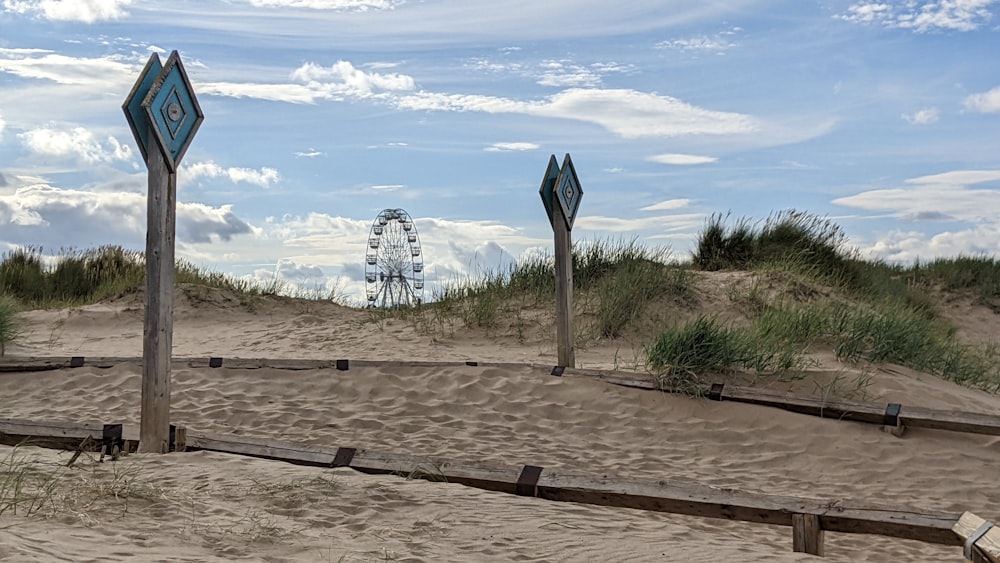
[215, 362]
[892, 414]
[343, 457]
[527, 481]
[715, 393]
[343, 365]
[473, 364]
[558, 371]
[111, 436]
[76, 362]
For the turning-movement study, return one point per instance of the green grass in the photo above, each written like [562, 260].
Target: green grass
[10, 326]
[75, 278]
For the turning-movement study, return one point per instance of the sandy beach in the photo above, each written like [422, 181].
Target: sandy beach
[205, 506]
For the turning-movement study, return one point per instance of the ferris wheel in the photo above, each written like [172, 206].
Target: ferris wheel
[394, 267]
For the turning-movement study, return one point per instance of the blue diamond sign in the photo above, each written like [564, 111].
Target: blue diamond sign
[548, 186]
[171, 111]
[133, 103]
[568, 191]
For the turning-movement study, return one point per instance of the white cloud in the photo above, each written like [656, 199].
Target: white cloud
[389, 187]
[311, 153]
[507, 147]
[314, 82]
[682, 159]
[77, 142]
[87, 11]
[337, 5]
[627, 113]
[46, 216]
[108, 73]
[925, 116]
[921, 17]
[985, 102]
[263, 177]
[717, 43]
[668, 205]
[958, 177]
[564, 73]
[3, 125]
[940, 199]
[659, 223]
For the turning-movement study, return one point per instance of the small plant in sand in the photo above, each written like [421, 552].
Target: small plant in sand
[10, 325]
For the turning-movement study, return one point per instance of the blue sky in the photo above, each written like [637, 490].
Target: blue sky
[883, 115]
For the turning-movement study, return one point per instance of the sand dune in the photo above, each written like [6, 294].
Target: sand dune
[204, 506]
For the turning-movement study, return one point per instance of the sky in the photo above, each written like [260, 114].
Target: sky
[881, 115]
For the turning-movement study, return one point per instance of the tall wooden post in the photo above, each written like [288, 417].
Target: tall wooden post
[564, 290]
[158, 331]
[561, 193]
[164, 115]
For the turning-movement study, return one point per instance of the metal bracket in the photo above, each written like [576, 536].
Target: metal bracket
[343, 365]
[527, 481]
[892, 414]
[343, 457]
[715, 393]
[976, 536]
[76, 362]
[215, 362]
[558, 371]
[111, 436]
[473, 364]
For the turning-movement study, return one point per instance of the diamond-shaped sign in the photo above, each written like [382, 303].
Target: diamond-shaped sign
[548, 184]
[173, 111]
[134, 113]
[568, 191]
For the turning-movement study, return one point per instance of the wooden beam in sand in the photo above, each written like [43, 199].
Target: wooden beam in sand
[891, 414]
[981, 539]
[661, 495]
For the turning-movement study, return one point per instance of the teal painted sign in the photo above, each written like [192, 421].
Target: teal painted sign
[568, 191]
[162, 101]
[133, 103]
[548, 185]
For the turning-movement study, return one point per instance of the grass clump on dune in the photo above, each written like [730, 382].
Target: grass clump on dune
[75, 277]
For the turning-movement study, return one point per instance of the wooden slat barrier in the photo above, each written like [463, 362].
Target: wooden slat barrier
[809, 518]
[872, 413]
[660, 496]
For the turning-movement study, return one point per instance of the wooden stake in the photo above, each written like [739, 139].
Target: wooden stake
[564, 289]
[987, 549]
[157, 342]
[807, 535]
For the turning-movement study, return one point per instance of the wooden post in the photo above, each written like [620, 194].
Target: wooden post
[564, 289]
[987, 548]
[158, 332]
[807, 535]
[561, 194]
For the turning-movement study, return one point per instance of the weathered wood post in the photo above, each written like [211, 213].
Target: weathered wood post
[562, 186]
[164, 115]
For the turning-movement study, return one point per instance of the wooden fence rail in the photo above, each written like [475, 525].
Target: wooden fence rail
[809, 518]
[891, 414]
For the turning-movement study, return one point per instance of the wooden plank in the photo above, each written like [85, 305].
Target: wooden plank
[873, 413]
[807, 535]
[987, 549]
[158, 330]
[919, 417]
[661, 496]
[75, 430]
[261, 447]
[844, 410]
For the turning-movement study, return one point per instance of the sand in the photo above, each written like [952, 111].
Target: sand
[204, 506]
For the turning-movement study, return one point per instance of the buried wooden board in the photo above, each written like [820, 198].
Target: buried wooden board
[661, 496]
[859, 411]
